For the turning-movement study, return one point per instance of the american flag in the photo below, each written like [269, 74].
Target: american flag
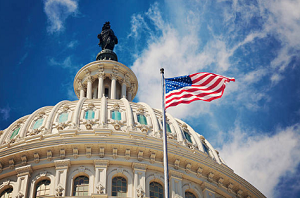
[199, 86]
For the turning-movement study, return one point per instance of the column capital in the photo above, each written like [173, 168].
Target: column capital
[101, 163]
[89, 78]
[100, 74]
[24, 170]
[80, 85]
[176, 174]
[132, 88]
[139, 166]
[62, 164]
[114, 73]
[208, 186]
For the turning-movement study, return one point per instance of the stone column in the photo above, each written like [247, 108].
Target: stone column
[131, 90]
[139, 171]
[23, 174]
[61, 167]
[80, 88]
[100, 176]
[100, 84]
[176, 184]
[89, 87]
[129, 95]
[113, 86]
[123, 89]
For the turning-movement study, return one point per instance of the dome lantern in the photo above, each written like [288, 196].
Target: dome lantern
[106, 77]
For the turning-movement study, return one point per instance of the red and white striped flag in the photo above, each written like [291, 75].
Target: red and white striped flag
[199, 86]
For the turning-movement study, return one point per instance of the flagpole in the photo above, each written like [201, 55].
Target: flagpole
[166, 167]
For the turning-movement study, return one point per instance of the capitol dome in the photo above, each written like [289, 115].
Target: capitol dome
[105, 145]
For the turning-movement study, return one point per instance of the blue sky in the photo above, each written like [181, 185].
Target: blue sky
[255, 125]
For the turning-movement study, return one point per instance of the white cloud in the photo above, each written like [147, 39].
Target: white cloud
[57, 12]
[5, 112]
[23, 58]
[72, 44]
[66, 63]
[263, 159]
[179, 53]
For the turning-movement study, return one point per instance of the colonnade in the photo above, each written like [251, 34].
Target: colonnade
[100, 174]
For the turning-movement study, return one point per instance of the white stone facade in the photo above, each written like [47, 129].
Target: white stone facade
[103, 137]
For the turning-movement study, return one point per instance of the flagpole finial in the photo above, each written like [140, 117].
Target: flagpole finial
[162, 70]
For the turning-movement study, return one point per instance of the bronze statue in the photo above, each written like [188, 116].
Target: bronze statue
[107, 37]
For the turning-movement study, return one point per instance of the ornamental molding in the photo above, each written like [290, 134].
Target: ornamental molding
[101, 163]
[24, 170]
[5, 183]
[139, 166]
[230, 188]
[100, 189]
[62, 164]
[239, 193]
[40, 175]
[59, 191]
[210, 176]
[188, 168]
[20, 195]
[176, 164]
[140, 192]
[127, 154]
[176, 174]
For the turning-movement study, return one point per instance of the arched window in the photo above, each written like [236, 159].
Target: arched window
[7, 193]
[116, 115]
[89, 115]
[63, 117]
[42, 188]
[119, 187]
[38, 123]
[189, 195]
[106, 91]
[81, 186]
[15, 132]
[142, 119]
[168, 128]
[156, 190]
[206, 149]
[188, 137]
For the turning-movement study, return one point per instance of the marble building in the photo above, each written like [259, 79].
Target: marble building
[105, 145]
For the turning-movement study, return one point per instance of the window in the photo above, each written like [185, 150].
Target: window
[7, 193]
[89, 115]
[63, 117]
[42, 188]
[15, 132]
[106, 92]
[142, 119]
[189, 195]
[168, 128]
[38, 123]
[188, 137]
[156, 190]
[81, 186]
[119, 187]
[116, 115]
[205, 148]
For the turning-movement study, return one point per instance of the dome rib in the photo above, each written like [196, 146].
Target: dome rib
[129, 117]
[28, 122]
[153, 118]
[76, 116]
[52, 114]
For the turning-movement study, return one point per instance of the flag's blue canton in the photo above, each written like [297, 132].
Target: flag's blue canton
[177, 83]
